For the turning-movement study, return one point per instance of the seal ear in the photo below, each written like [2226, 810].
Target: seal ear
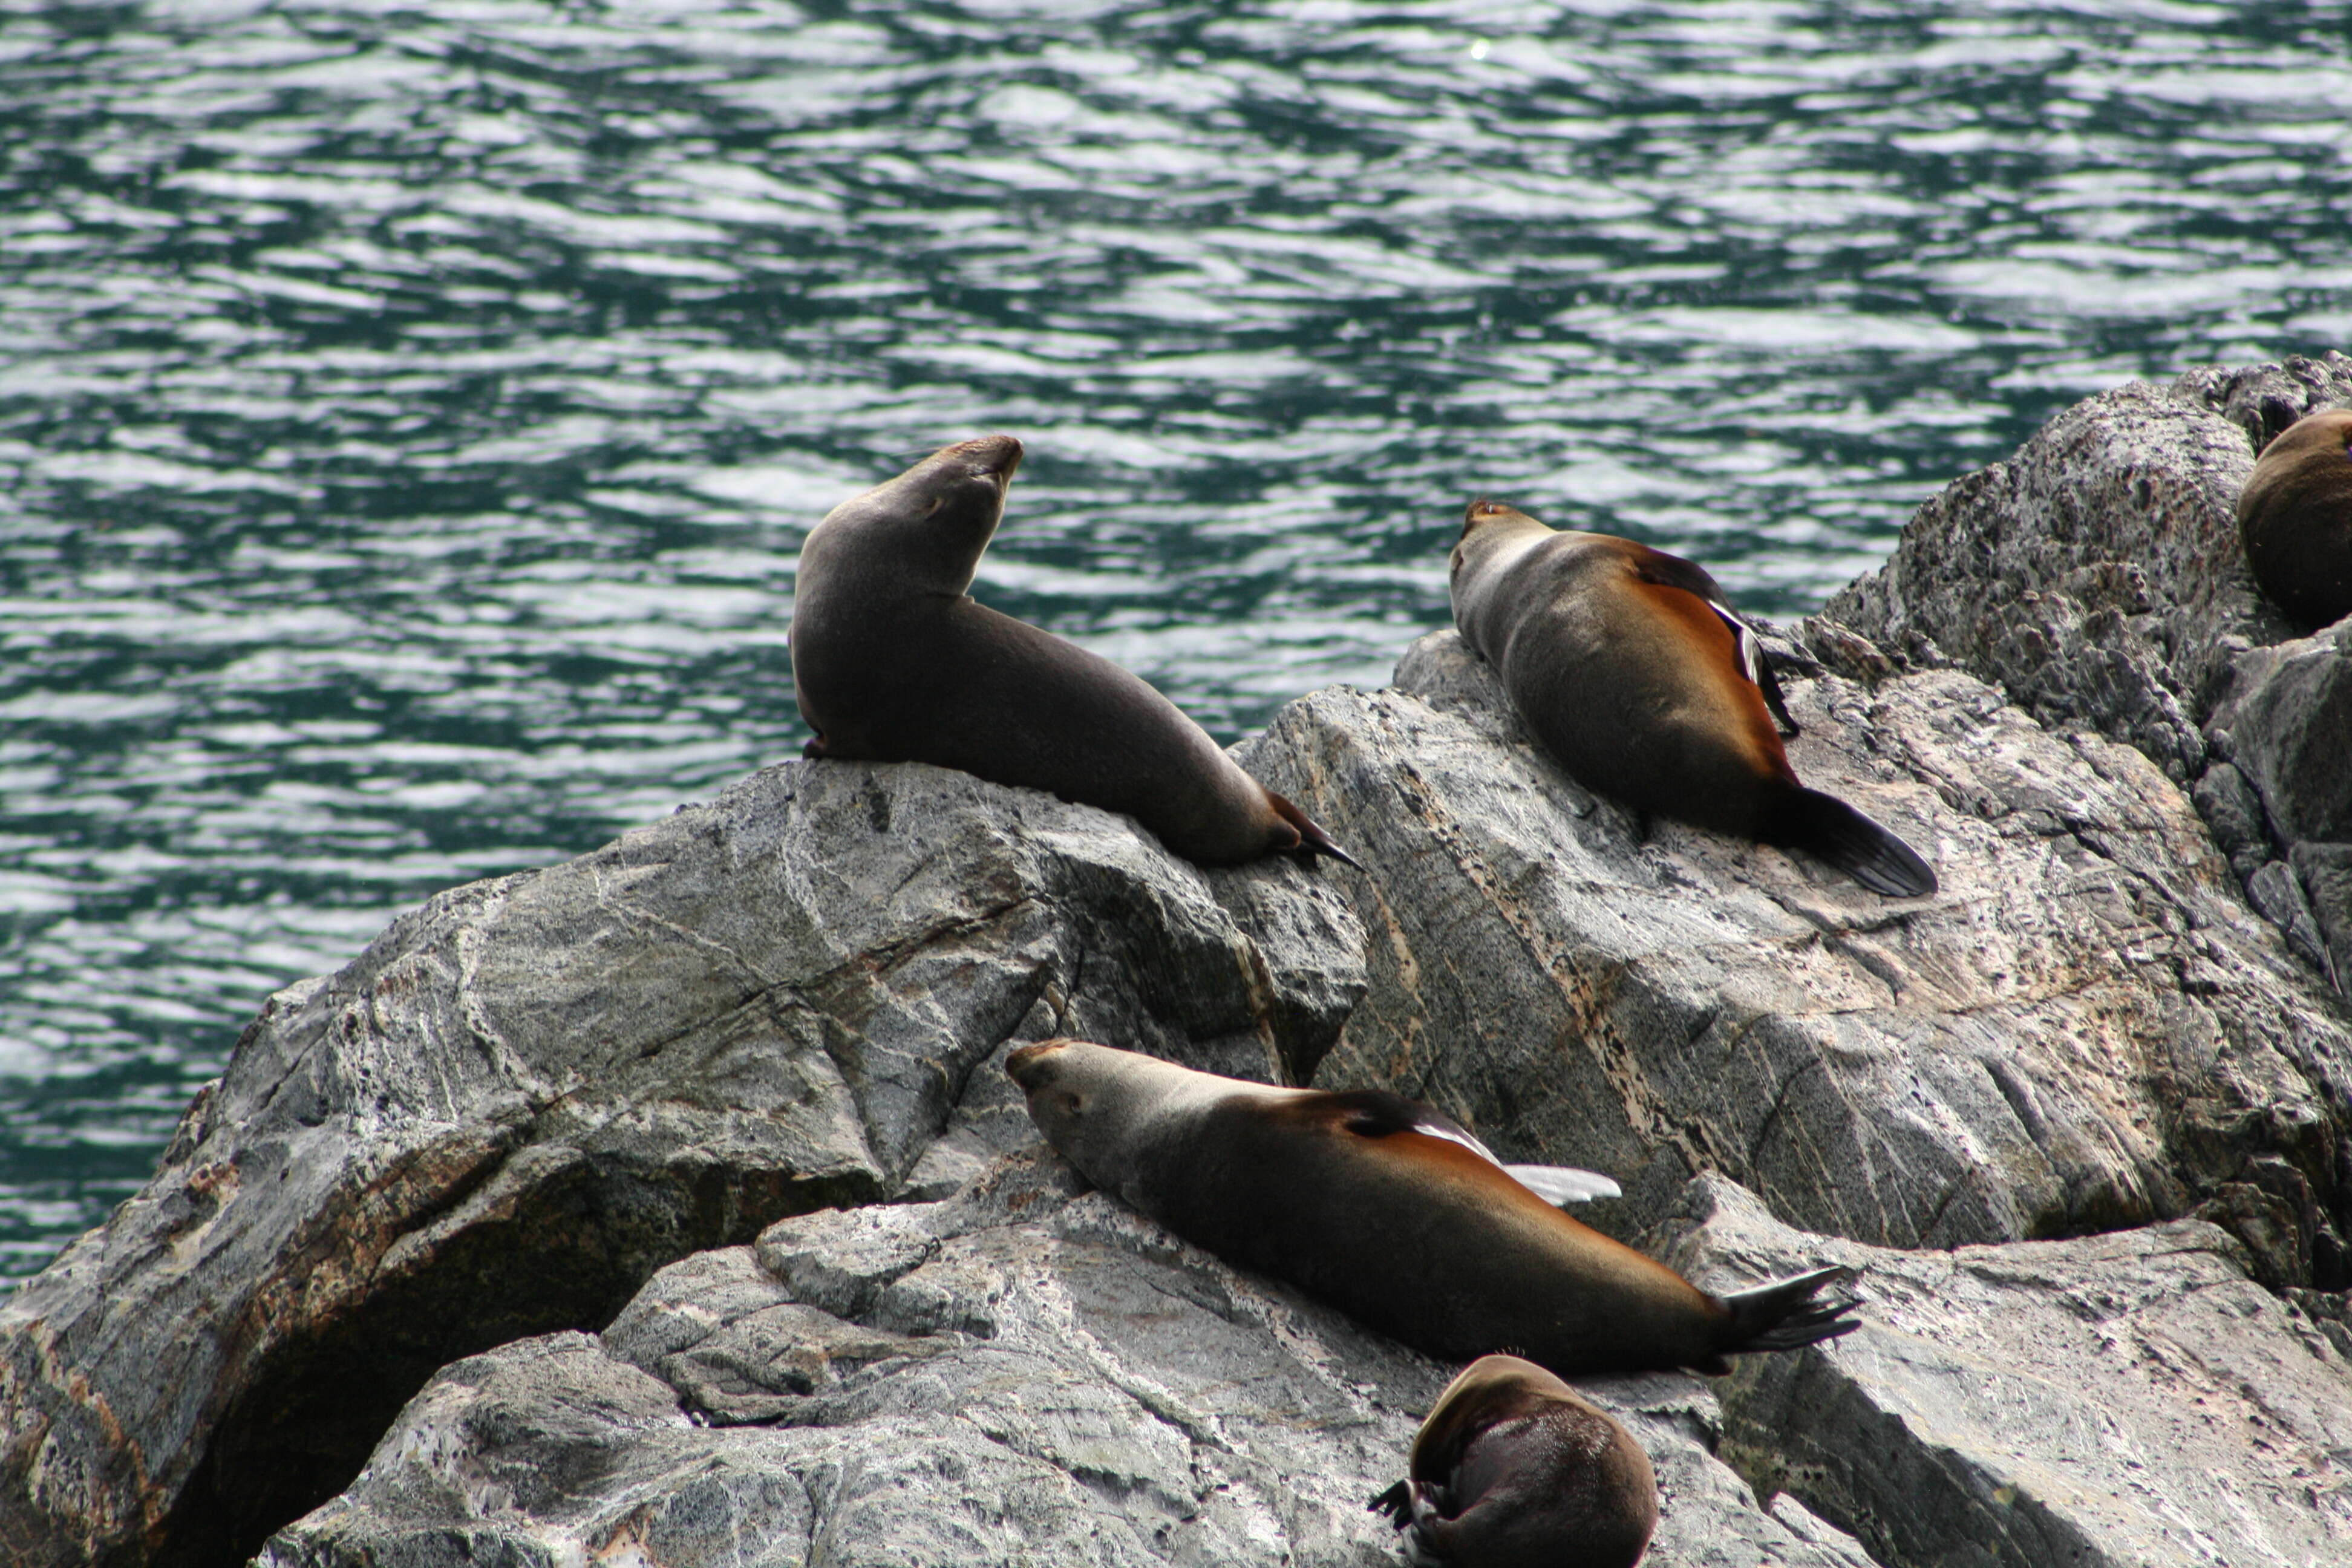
[1481, 510]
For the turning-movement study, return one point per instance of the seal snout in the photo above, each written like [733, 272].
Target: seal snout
[988, 456]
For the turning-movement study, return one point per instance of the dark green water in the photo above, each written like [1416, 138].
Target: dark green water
[408, 418]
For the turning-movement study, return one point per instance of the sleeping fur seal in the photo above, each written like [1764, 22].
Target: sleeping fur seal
[1514, 1468]
[1635, 675]
[1387, 1210]
[2295, 517]
[894, 662]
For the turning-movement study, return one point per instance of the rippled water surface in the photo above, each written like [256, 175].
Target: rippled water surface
[408, 416]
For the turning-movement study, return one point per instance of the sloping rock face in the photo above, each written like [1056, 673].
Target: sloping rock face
[528, 1096]
[1017, 1375]
[2097, 577]
[2115, 1400]
[2087, 1028]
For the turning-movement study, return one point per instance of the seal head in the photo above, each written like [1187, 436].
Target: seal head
[1635, 674]
[2294, 517]
[893, 662]
[1389, 1210]
[1514, 1468]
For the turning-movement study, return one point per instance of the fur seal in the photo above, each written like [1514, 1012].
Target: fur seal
[1633, 672]
[1387, 1210]
[1514, 1468]
[2295, 517]
[894, 662]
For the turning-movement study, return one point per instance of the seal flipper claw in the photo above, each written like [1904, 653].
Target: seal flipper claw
[1785, 1314]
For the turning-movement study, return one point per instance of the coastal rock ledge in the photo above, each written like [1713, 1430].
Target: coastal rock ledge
[670, 1205]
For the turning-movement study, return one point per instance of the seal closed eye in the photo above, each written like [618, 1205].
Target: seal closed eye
[1513, 1469]
[893, 662]
[1635, 674]
[1387, 1210]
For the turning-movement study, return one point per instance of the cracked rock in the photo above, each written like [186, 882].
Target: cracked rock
[2098, 576]
[1028, 1375]
[2087, 1028]
[2099, 1403]
[530, 1094]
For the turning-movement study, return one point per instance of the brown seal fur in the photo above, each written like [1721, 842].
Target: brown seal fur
[2294, 517]
[1390, 1211]
[1514, 1468]
[1633, 672]
[894, 662]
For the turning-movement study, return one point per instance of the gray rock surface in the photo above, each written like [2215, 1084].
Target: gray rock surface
[2097, 577]
[529, 1095]
[2109, 1401]
[2087, 1028]
[1016, 1375]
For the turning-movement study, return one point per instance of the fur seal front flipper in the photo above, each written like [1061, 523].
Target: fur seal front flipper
[1635, 674]
[1513, 1469]
[893, 662]
[1390, 1212]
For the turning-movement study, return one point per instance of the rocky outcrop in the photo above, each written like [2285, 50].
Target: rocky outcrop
[672, 1204]
[1019, 1375]
[2087, 1028]
[2112, 1400]
[528, 1096]
[2097, 577]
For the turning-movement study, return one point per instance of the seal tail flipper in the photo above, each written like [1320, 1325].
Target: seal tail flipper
[1397, 1503]
[1312, 839]
[1564, 1185]
[1787, 1313]
[1829, 827]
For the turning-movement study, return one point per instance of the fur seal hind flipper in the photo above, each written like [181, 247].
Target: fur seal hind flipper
[1787, 1313]
[1312, 839]
[1829, 827]
[1396, 1502]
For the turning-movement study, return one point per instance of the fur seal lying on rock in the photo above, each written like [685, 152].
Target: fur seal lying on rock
[1633, 672]
[1387, 1210]
[2295, 517]
[1513, 1469]
[894, 662]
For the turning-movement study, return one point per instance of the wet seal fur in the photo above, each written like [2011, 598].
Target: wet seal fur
[893, 662]
[2295, 518]
[1387, 1210]
[1633, 672]
[1514, 1468]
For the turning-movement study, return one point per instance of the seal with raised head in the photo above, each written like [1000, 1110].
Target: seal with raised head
[1514, 1468]
[2294, 517]
[1387, 1210]
[893, 662]
[1633, 672]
